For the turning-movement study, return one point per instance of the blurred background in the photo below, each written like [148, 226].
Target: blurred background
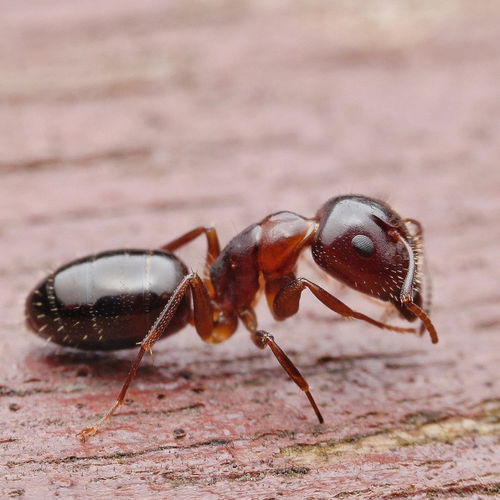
[125, 124]
[134, 111]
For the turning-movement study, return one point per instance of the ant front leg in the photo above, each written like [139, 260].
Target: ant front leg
[203, 319]
[262, 339]
[286, 303]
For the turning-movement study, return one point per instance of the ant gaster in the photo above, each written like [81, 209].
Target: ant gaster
[117, 299]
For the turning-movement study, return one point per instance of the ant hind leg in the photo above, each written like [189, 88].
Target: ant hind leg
[202, 313]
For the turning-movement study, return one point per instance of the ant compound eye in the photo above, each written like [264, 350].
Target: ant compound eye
[363, 245]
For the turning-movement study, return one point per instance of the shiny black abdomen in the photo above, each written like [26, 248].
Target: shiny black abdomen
[107, 301]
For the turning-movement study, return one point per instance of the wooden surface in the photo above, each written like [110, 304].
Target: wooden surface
[127, 123]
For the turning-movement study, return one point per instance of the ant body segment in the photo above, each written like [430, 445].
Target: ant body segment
[121, 298]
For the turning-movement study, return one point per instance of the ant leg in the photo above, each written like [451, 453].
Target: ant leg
[273, 286]
[213, 250]
[202, 312]
[263, 339]
[287, 301]
[209, 329]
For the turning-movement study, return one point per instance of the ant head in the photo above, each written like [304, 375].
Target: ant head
[365, 244]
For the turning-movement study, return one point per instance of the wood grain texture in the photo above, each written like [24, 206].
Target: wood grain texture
[128, 123]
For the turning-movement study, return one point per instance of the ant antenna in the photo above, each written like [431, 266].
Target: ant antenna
[406, 295]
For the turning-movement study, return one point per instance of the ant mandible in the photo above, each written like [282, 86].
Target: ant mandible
[121, 298]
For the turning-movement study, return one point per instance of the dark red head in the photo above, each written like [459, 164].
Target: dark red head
[366, 245]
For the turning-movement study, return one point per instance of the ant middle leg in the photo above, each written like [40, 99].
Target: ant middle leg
[262, 339]
[213, 246]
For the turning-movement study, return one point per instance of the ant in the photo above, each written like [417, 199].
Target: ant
[120, 298]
